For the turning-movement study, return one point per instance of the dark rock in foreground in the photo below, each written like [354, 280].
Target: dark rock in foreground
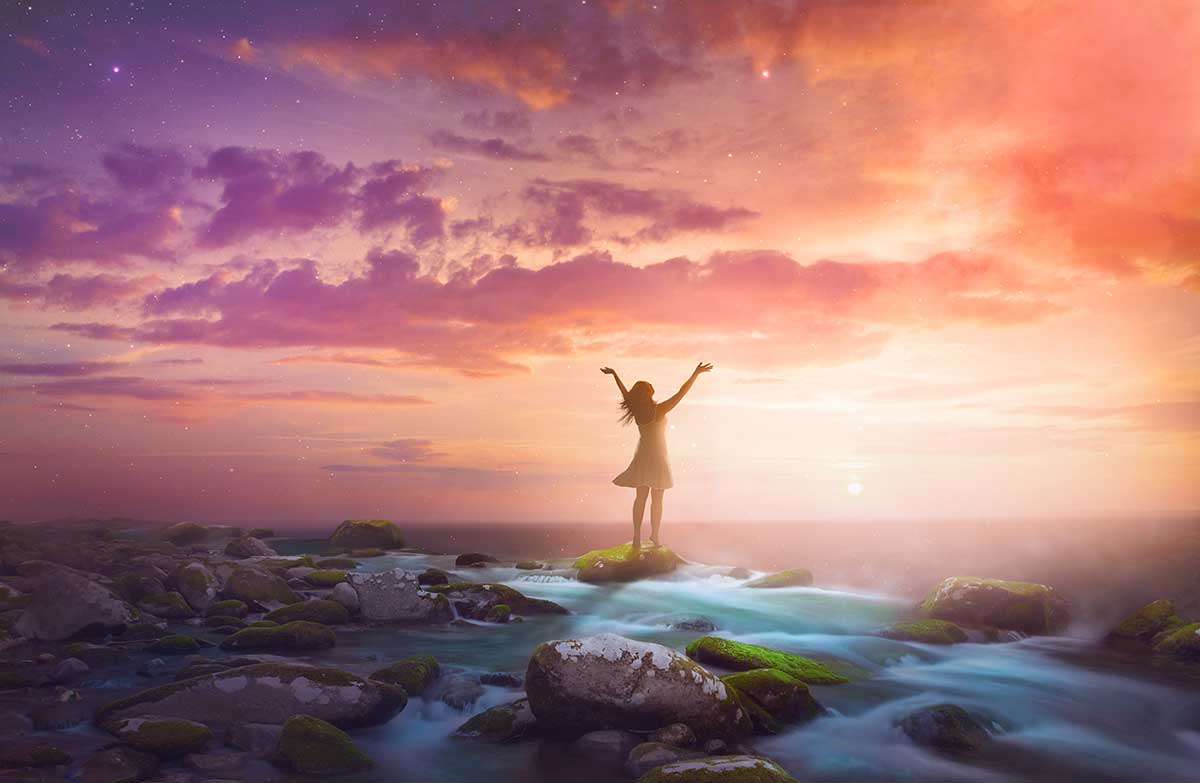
[945, 727]
[166, 738]
[1018, 606]
[312, 746]
[619, 563]
[65, 603]
[414, 674]
[773, 697]
[506, 723]
[719, 769]
[649, 755]
[367, 534]
[317, 611]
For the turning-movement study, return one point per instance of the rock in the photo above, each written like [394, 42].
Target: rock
[118, 765]
[945, 727]
[175, 644]
[31, 755]
[70, 670]
[719, 769]
[500, 613]
[476, 600]
[688, 622]
[169, 606]
[395, 596]
[261, 532]
[506, 723]
[220, 623]
[259, 587]
[678, 734]
[782, 697]
[608, 681]
[228, 608]
[140, 632]
[266, 693]
[367, 552]
[740, 656]
[66, 604]
[609, 747]
[96, 654]
[716, 747]
[58, 715]
[12, 678]
[738, 572]
[253, 737]
[216, 765]
[1149, 621]
[345, 595]
[367, 533]
[502, 679]
[135, 586]
[297, 636]
[1182, 642]
[198, 585]
[433, 576]
[796, 577]
[459, 691]
[340, 563]
[166, 738]
[474, 560]
[312, 746]
[649, 755]
[414, 674]
[618, 564]
[325, 577]
[202, 667]
[926, 632]
[249, 546]
[316, 611]
[1018, 606]
[528, 565]
[184, 533]
[152, 667]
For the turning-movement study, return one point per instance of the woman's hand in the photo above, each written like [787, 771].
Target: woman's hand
[702, 367]
[608, 371]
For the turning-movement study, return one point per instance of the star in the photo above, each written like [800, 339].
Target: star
[116, 69]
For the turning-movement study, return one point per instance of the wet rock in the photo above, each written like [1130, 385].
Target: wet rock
[118, 765]
[738, 572]
[678, 734]
[58, 715]
[1148, 622]
[609, 747]
[502, 679]
[152, 667]
[259, 587]
[166, 738]
[266, 693]
[96, 654]
[185, 533]
[945, 727]
[198, 585]
[136, 585]
[506, 723]
[1019, 606]
[221, 623]
[1183, 642]
[926, 632]
[217, 764]
[476, 600]
[345, 595]
[66, 604]
[414, 674]
[500, 613]
[648, 755]
[202, 667]
[782, 698]
[608, 681]
[169, 606]
[619, 563]
[458, 691]
[325, 577]
[740, 656]
[689, 622]
[298, 636]
[433, 576]
[367, 533]
[719, 769]
[69, 670]
[249, 546]
[253, 737]
[395, 596]
[474, 560]
[31, 755]
[795, 577]
[339, 563]
[175, 644]
[316, 611]
[313, 747]
[529, 565]
[229, 608]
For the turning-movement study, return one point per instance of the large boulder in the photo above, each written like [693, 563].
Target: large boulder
[347, 596]
[780, 696]
[719, 769]
[367, 534]
[795, 577]
[198, 585]
[65, 603]
[945, 727]
[395, 597]
[266, 693]
[478, 600]
[167, 738]
[1183, 642]
[1148, 622]
[741, 656]
[312, 746]
[185, 533]
[610, 682]
[259, 587]
[248, 546]
[298, 636]
[1016, 606]
[621, 564]
[316, 611]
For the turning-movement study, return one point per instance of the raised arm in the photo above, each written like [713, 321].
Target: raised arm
[668, 404]
[617, 378]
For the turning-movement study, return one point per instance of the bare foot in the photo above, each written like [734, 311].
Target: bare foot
[635, 550]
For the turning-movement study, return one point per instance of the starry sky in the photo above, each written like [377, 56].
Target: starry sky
[301, 262]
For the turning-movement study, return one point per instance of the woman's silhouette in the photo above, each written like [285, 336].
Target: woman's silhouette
[648, 473]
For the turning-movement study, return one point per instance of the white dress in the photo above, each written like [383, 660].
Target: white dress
[649, 467]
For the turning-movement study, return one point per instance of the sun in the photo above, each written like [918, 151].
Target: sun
[855, 488]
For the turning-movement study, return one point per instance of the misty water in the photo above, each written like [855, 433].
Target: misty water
[1062, 708]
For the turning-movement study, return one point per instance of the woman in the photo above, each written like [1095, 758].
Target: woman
[649, 472]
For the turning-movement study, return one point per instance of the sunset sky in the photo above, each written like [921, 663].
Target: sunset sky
[277, 264]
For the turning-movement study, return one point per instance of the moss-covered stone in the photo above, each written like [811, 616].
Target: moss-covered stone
[1016, 606]
[505, 723]
[359, 533]
[528, 565]
[476, 599]
[926, 632]
[184, 533]
[253, 586]
[263, 624]
[230, 607]
[311, 746]
[98, 654]
[315, 611]
[343, 563]
[169, 606]
[500, 613]
[1151, 620]
[325, 577]
[786, 698]
[296, 636]
[414, 674]
[1183, 642]
[175, 644]
[945, 727]
[741, 656]
[719, 769]
[622, 564]
[795, 577]
[32, 755]
[221, 621]
[167, 738]
[433, 576]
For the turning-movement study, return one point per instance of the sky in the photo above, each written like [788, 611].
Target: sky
[303, 262]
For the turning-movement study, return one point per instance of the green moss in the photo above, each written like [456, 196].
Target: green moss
[316, 611]
[313, 747]
[1183, 642]
[719, 769]
[170, 606]
[295, 636]
[221, 621]
[414, 674]
[926, 632]
[782, 696]
[230, 607]
[338, 562]
[495, 722]
[256, 586]
[500, 613]
[175, 644]
[528, 565]
[1028, 607]
[623, 564]
[596, 556]
[325, 577]
[742, 657]
[167, 738]
[1024, 589]
[99, 654]
[194, 579]
[1149, 621]
[356, 533]
[263, 624]
[795, 577]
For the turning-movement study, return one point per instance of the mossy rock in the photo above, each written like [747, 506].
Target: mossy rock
[167, 738]
[500, 613]
[926, 632]
[1183, 642]
[784, 697]
[222, 621]
[175, 644]
[719, 769]
[622, 564]
[795, 577]
[261, 532]
[945, 727]
[98, 654]
[476, 599]
[741, 656]
[367, 551]
[1148, 622]
[263, 624]
[1027, 607]
[433, 576]
[344, 563]
[184, 533]
[312, 746]
[316, 611]
[528, 565]
[474, 560]
[298, 636]
[250, 585]
[230, 607]
[325, 577]
[361, 533]
[19, 755]
[169, 606]
[138, 631]
[505, 723]
[414, 674]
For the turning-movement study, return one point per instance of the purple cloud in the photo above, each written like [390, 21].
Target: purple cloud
[495, 148]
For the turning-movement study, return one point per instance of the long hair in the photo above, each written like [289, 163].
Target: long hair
[639, 402]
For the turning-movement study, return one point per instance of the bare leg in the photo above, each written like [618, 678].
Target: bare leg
[639, 510]
[656, 503]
